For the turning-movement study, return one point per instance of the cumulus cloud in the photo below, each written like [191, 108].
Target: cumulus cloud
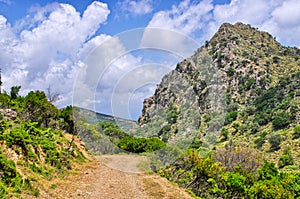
[172, 30]
[129, 84]
[136, 7]
[201, 19]
[287, 15]
[186, 17]
[48, 49]
[280, 18]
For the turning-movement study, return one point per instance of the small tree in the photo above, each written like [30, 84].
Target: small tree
[14, 92]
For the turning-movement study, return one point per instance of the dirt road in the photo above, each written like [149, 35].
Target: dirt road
[114, 177]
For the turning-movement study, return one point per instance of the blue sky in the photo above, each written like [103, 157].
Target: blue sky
[51, 43]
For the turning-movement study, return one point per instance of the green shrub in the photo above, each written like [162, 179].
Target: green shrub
[286, 159]
[3, 190]
[230, 117]
[275, 141]
[8, 170]
[172, 114]
[140, 145]
[296, 133]
[230, 72]
[276, 59]
[259, 142]
[281, 120]
[224, 134]
[262, 118]
[113, 131]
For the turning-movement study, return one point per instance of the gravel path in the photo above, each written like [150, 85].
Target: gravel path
[114, 177]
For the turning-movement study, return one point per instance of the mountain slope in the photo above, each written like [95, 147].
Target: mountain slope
[235, 107]
[242, 85]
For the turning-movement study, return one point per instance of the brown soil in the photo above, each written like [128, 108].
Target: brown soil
[112, 177]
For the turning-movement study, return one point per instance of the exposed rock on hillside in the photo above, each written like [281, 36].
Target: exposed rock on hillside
[8, 114]
[242, 80]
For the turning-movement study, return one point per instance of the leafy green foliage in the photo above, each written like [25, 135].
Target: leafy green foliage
[286, 159]
[296, 133]
[127, 142]
[9, 174]
[224, 134]
[113, 131]
[40, 109]
[276, 103]
[281, 121]
[207, 178]
[36, 138]
[140, 145]
[230, 117]
[67, 115]
[14, 92]
[3, 190]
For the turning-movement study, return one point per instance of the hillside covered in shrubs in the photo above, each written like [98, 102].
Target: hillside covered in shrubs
[34, 143]
[234, 109]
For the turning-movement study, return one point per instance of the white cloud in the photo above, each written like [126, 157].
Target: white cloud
[279, 17]
[47, 46]
[167, 40]
[253, 12]
[202, 19]
[186, 17]
[136, 7]
[287, 15]
[140, 76]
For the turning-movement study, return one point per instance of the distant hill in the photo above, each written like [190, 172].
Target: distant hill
[94, 118]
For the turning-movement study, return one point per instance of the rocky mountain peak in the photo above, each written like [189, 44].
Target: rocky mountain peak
[226, 75]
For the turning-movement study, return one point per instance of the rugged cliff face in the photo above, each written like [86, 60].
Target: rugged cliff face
[241, 81]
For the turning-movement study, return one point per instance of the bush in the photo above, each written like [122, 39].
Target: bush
[275, 141]
[172, 114]
[230, 117]
[296, 133]
[281, 121]
[230, 72]
[140, 145]
[286, 159]
[3, 190]
[224, 134]
[261, 140]
[207, 178]
[262, 118]
[9, 175]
